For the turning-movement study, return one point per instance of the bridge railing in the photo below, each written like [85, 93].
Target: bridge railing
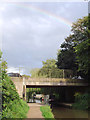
[66, 80]
[47, 81]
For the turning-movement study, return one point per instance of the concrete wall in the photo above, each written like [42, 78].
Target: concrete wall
[18, 81]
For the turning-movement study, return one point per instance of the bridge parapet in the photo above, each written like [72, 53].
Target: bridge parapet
[62, 80]
[21, 83]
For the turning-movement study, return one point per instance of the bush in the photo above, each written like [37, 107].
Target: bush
[12, 105]
[81, 101]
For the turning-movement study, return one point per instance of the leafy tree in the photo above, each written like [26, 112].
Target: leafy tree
[83, 56]
[66, 57]
[50, 63]
[50, 69]
[81, 37]
[75, 51]
[80, 30]
[34, 72]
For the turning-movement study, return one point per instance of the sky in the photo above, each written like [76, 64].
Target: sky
[32, 32]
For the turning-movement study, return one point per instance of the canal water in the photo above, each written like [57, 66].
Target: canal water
[62, 112]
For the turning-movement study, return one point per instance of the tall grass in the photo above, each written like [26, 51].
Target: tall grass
[47, 112]
[12, 105]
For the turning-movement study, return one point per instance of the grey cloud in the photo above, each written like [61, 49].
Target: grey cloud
[30, 37]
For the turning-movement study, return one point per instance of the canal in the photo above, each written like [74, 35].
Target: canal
[63, 112]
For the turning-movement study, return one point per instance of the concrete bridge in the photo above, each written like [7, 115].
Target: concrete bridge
[22, 83]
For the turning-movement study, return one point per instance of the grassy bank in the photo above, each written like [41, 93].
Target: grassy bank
[81, 101]
[12, 105]
[47, 112]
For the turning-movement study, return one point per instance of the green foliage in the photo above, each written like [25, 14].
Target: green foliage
[75, 51]
[81, 34]
[81, 101]
[50, 69]
[47, 112]
[4, 65]
[50, 73]
[66, 59]
[15, 109]
[34, 72]
[83, 56]
[50, 63]
[0, 54]
[80, 30]
[12, 105]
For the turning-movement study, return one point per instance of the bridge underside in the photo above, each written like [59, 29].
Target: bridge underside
[66, 92]
[48, 86]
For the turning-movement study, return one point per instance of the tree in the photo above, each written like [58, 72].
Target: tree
[50, 69]
[34, 72]
[48, 65]
[75, 50]
[74, 53]
[66, 57]
[81, 35]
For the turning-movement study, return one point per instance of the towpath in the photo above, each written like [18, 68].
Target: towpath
[34, 110]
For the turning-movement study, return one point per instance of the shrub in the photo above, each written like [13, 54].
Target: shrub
[81, 101]
[12, 105]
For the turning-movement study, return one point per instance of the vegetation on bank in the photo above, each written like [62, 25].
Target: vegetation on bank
[47, 112]
[82, 101]
[12, 105]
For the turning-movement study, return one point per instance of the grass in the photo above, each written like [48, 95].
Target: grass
[47, 112]
[12, 105]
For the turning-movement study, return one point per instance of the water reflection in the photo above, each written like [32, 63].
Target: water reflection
[61, 112]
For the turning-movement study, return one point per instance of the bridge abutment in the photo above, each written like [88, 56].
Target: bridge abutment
[18, 82]
[24, 92]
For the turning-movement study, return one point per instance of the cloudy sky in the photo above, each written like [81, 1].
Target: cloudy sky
[33, 31]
